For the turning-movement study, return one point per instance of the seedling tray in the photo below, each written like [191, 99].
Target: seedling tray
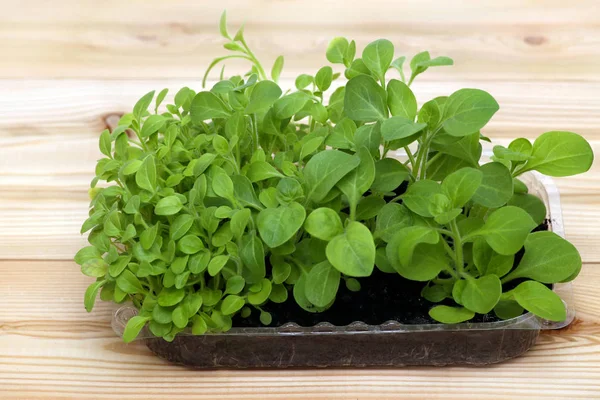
[390, 344]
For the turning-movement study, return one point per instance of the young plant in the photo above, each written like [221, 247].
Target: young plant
[243, 195]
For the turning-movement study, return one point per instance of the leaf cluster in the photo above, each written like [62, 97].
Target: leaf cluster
[243, 194]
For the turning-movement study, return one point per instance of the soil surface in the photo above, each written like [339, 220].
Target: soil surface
[382, 297]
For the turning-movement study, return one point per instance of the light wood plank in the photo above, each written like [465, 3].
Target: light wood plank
[113, 39]
[51, 348]
[81, 107]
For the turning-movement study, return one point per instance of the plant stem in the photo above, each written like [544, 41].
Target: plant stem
[432, 159]
[458, 250]
[259, 67]
[411, 158]
[255, 131]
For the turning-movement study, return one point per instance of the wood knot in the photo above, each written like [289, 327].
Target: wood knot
[535, 40]
[111, 120]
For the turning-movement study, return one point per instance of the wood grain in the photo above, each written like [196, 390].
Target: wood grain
[80, 107]
[512, 39]
[51, 348]
[69, 65]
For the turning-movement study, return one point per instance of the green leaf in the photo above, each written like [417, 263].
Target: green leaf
[142, 105]
[365, 100]
[222, 185]
[352, 252]
[216, 264]
[87, 253]
[152, 125]
[378, 56]
[390, 219]
[169, 205]
[336, 50]
[401, 100]
[290, 104]
[277, 225]
[170, 297]
[299, 292]
[467, 111]
[244, 192]
[281, 272]
[431, 112]
[389, 174]
[199, 261]
[323, 171]
[538, 299]
[510, 155]
[369, 207]
[265, 318]
[159, 99]
[277, 67]
[357, 68]
[521, 145]
[105, 143]
[322, 284]
[261, 170]
[223, 25]
[323, 78]
[467, 148]
[548, 259]
[190, 244]
[519, 187]
[324, 223]
[235, 284]
[268, 197]
[145, 177]
[133, 328]
[489, 262]
[450, 315]
[507, 309]
[303, 80]
[404, 242]
[129, 283]
[263, 95]
[461, 185]
[180, 320]
[369, 136]
[419, 195]
[310, 146]
[239, 221]
[207, 105]
[399, 127]
[261, 296]
[232, 304]
[119, 265]
[481, 295]
[496, 187]
[131, 167]
[560, 153]
[398, 65]
[89, 299]
[506, 229]
[358, 181]
[252, 255]
[532, 204]
[179, 264]
[180, 226]
[148, 236]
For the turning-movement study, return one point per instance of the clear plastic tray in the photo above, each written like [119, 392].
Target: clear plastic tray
[359, 344]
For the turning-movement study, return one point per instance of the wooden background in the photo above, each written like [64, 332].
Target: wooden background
[66, 66]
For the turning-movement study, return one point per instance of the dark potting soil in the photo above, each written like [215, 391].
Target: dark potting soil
[383, 297]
